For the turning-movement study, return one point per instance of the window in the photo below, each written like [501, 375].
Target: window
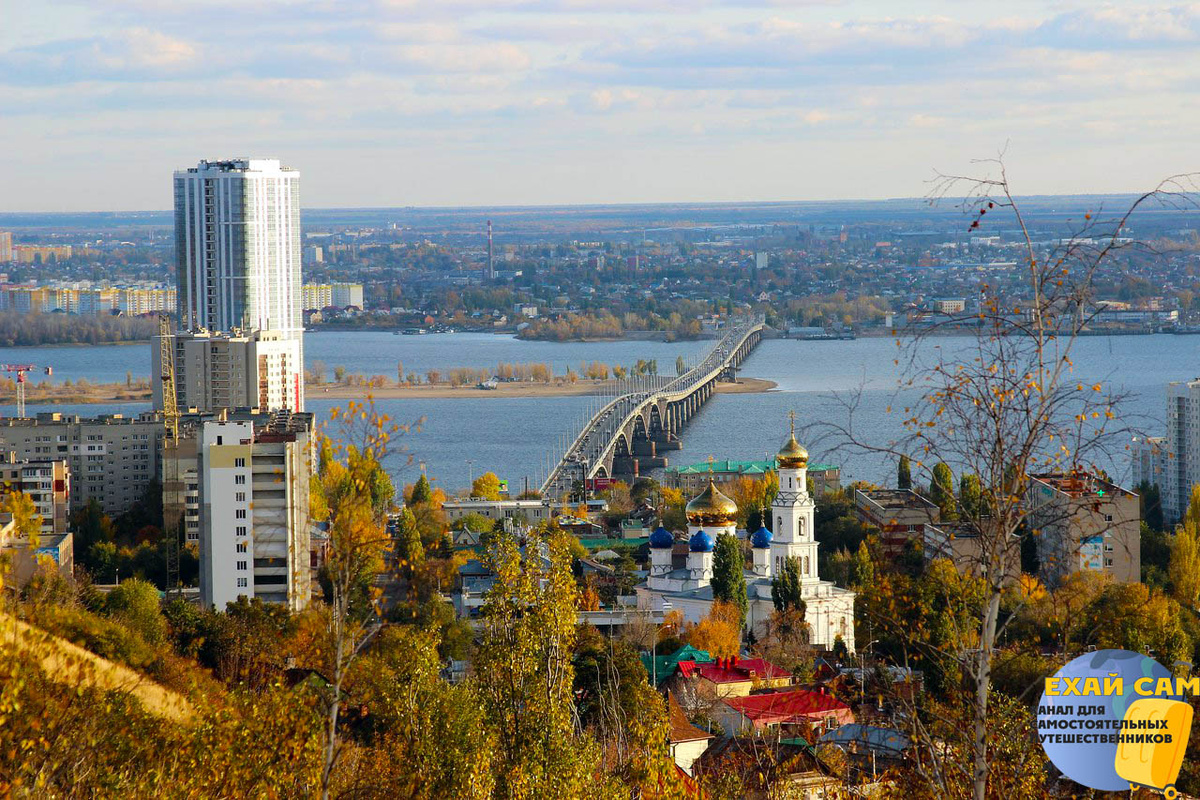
[241, 497]
[241, 565]
[239, 480]
[240, 513]
[1108, 562]
[241, 547]
[239, 462]
[242, 583]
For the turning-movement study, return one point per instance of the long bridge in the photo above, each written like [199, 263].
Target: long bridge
[628, 434]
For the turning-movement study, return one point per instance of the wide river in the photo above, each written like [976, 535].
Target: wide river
[514, 437]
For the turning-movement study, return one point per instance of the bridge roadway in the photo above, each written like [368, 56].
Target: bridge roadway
[628, 434]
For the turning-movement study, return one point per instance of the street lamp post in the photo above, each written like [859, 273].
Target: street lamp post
[862, 674]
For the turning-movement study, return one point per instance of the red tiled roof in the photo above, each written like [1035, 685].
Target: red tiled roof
[766, 709]
[686, 668]
[739, 671]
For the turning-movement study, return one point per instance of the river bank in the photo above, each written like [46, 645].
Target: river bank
[57, 394]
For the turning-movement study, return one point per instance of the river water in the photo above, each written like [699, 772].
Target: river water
[461, 437]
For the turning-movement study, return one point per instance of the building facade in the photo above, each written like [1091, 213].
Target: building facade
[47, 482]
[1084, 523]
[112, 458]
[237, 246]
[255, 539]
[221, 372]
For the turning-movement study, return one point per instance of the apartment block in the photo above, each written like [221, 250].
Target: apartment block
[112, 458]
[253, 511]
[217, 372]
[47, 482]
[1084, 522]
[899, 514]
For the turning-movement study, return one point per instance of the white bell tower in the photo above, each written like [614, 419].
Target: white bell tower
[792, 511]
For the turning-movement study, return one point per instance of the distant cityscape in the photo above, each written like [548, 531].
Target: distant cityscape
[217, 493]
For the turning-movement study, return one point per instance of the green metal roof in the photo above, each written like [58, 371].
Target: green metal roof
[664, 666]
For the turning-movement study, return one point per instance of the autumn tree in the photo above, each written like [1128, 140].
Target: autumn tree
[1183, 570]
[719, 632]
[352, 494]
[1005, 405]
[486, 487]
[525, 670]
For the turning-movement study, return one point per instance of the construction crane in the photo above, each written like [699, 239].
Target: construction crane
[21, 370]
[172, 488]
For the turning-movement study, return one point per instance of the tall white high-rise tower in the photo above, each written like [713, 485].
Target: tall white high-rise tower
[237, 245]
[792, 512]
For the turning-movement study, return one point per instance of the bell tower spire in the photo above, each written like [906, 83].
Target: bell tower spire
[792, 512]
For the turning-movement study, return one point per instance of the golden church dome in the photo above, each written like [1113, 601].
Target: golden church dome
[711, 507]
[792, 455]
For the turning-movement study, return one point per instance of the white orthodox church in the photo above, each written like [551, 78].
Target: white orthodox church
[829, 610]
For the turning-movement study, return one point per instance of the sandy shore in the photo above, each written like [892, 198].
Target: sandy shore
[582, 388]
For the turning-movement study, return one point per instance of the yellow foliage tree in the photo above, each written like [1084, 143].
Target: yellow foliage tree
[486, 487]
[1184, 566]
[720, 632]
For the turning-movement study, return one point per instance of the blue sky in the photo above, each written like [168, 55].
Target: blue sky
[480, 102]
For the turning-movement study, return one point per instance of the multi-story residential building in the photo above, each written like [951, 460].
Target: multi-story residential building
[316, 296]
[1084, 522]
[112, 458]
[227, 371]
[1181, 461]
[6, 247]
[254, 518]
[1149, 460]
[899, 514]
[47, 482]
[87, 300]
[237, 245]
[41, 254]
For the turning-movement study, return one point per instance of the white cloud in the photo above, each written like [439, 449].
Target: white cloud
[590, 82]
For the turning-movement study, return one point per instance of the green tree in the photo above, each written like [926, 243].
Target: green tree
[729, 576]
[862, 568]
[786, 592]
[486, 487]
[904, 474]
[135, 603]
[941, 490]
[1150, 500]
[970, 496]
[680, 366]
[421, 492]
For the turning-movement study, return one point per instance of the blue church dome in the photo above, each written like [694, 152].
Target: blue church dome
[661, 539]
[701, 542]
[761, 537]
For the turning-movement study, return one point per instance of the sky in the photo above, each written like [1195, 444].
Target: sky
[532, 102]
